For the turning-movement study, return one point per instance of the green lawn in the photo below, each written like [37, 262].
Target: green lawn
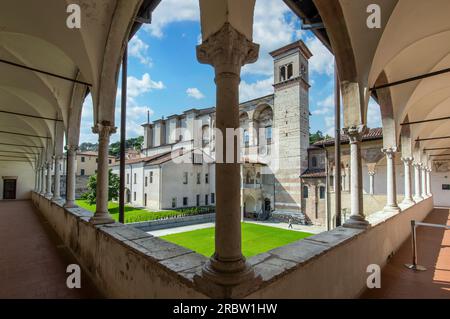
[256, 239]
[132, 214]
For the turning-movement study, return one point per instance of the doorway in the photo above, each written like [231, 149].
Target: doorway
[9, 189]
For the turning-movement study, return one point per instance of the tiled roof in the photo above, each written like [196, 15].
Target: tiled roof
[372, 134]
[314, 173]
[144, 159]
[90, 153]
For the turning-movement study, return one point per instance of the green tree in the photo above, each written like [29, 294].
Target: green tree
[113, 190]
[134, 143]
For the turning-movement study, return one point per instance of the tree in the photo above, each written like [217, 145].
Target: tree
[316, 137]
[86, 146]
[113, 190]
[134, 143]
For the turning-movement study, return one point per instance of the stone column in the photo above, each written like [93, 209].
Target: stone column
[102, 215]
[429, 181]
[42, 192]
[48, 192]
[391, 185]
[227, 50]
[424, 180]
[36, 182]
[371, 182]
[417, 191]
[357, 218]
[57, 192]
[408, 200]
[71, 175]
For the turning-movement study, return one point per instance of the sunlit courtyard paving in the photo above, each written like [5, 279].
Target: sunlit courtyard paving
[256, 239]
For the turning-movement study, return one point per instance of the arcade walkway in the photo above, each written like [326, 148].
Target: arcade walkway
[33, 260]
[433, 250]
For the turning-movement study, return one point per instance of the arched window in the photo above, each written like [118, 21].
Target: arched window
[205, 136]
[290, 71]
[305, 191]
[246, 138]
[282, 74]
[314, 161]
[268, 134]
[322, 192]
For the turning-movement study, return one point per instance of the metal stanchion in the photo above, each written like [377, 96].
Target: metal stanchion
[414, 224]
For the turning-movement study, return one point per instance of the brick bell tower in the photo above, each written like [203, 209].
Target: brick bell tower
[291, 119]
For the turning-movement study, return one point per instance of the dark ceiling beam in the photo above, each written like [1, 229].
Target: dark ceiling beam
[411, 79]
[432, 138]
[23, 145]
[32, 116]
[22, 161]
[435, 155]
[436, 148]
[44, 72]
[14, 156]
[23, 134]
[425, 121]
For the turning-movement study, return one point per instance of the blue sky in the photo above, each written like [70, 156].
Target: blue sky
[165, 77]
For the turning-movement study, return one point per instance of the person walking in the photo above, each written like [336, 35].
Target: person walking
[290, 223]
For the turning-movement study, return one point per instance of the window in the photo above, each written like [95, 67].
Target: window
[146, 181]
[282, 73]
[322, 192]
[96, 160]
[314, 161]
[268, 133]
[206, 178]
[145, 199]
[305, 191]
[174, 202]
[82, 172]
[135, 179]
[213, 198]
[134, 196]
[60, 166]
[198, 200]
[246, 138]
[290, 71]
[151, 177]
[82, 159]
[109, 161]
[185, 178]
[128, 178]
[185, 201]
[198, 178]
[206, 200]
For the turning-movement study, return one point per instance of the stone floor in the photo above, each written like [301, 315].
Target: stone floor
[33, 260]
[433, 250]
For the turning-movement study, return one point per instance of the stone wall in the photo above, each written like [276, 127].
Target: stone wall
[174, 222]
[124, 262]
[334, 264]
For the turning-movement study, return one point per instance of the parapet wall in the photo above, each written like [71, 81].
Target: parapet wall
[124, 262]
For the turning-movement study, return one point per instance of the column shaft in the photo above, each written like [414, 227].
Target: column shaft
[391, 186]
[371, 183]
[57, 191]
[48, 192]
[424, 181]
[71, 156]
[417, 191]
[407, 170]
[357, 218]
[42, 192]
[102, 215]
[429, 182]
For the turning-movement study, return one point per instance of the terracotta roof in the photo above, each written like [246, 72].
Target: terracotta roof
[372, 134]
[314, 173]
[91, 153]
[143, 159]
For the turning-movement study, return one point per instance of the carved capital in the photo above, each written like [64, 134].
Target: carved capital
[71, 148]
[104, 131]
[371, 173]
[407, 160]
[355, 133]
[389, 151]
[227, 50]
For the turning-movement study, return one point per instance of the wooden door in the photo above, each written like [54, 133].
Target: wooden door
[9, 189]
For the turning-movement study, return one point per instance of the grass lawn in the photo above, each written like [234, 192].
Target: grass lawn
[132, 214]
[256, 239]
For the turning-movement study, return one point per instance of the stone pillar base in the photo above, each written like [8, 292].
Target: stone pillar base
[356, 221]
[408, 202]
[418, 198]
[70, 204]
[389, 208]
[101, 218]
[227, 279]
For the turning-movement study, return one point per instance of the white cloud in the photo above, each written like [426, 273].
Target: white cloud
[138, 49]
[169, 11]
[325, 106]
[195, 93]
[136, 87]
[322, 61]
[249, 91]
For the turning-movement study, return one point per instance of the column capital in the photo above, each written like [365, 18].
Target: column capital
[417, 165]
[407, 160]
[70, 147]
[355, 133]
[57, 157]
[104, 130]
[371, 173]
[227, 50]
[389, 151]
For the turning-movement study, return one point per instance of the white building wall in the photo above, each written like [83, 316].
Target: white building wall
[441, 197]
[25, 178]
[153, 188]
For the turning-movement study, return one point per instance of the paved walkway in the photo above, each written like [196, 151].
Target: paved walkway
[433, 250]
[182, 229]
[33, 260]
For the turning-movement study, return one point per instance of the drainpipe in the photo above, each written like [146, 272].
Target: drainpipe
[327, 190]
[337, 147]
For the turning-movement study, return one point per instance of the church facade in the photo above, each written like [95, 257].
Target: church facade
[176, 166]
